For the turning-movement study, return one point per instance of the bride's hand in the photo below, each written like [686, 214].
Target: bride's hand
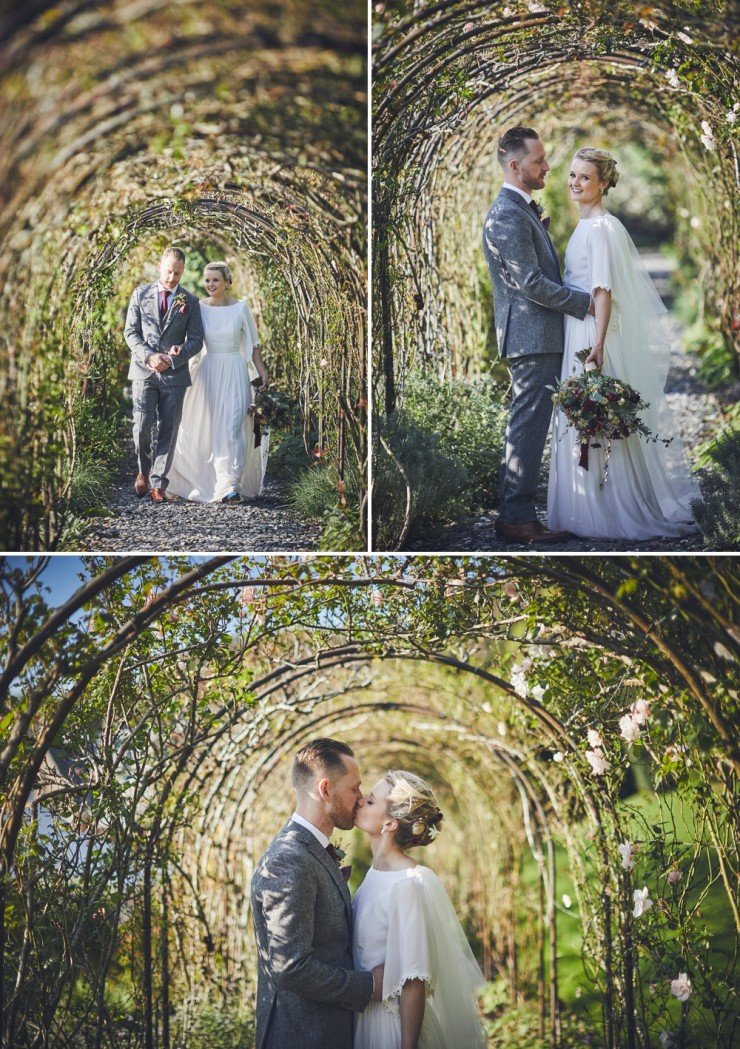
[596, 356]
[378, 982]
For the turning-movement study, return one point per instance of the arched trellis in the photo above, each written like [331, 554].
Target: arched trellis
[246, 133]
[142, 667]
[449, 76]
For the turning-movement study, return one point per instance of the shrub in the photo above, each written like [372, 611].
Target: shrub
[719, 513]
[436, 482]
[318, 493]
[470, 421]
[715, 359]
[212, 1026]
[288, 456]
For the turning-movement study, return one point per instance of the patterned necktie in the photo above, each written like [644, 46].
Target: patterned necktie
[163, 303]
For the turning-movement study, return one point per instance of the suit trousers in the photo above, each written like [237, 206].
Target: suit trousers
[526, 433]
[157, 414]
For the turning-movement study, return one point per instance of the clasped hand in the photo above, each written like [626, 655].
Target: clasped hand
[160, 362]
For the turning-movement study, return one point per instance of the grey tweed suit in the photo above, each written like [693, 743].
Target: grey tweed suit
[307, 989]
[158, 396]
[529, 300]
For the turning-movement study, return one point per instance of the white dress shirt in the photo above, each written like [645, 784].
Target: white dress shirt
[318, 834]
[527, 197]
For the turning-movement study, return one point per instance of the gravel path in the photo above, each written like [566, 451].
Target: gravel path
[266, 524]
[698, 413]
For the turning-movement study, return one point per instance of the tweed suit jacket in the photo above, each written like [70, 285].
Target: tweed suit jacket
[529, 297]
[307, 989]
[146, 333]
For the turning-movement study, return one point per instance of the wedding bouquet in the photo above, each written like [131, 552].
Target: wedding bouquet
[599, 406]
[272, 408]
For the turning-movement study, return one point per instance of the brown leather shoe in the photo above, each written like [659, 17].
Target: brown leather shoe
[158, 496]
[517, 533]
[141, 485]
[546, 535]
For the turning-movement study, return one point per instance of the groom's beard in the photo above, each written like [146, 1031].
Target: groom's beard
[342, 817]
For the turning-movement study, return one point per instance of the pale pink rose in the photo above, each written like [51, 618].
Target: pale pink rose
[629, 728]
[642, 900]
[597, 761]
[673, 877]
[594, 739]
[377, 598]
[723, 652]
[511, 590]
[519, 678]
[640, 711]
[558, 756]
[468, 26]
[626, 851]
[681, 987]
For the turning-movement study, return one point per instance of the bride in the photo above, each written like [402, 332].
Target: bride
[402, 918]
[649, 491]
[216, 459]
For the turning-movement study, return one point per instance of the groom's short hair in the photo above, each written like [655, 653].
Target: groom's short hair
[320, 756]
[177, 253]
[513, 143]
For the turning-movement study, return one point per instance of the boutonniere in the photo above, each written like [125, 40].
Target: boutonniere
[181, 303]
[339, 854]
[544, 219]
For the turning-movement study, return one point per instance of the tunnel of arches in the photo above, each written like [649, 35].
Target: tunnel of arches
[653, 84]
[233, 134]
[147, 767]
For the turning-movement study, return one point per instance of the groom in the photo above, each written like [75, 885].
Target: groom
[163, 331]
[307, 989]
[529, 301]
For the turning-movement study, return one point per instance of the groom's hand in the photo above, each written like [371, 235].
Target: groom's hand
[378, 982]
[157, 362]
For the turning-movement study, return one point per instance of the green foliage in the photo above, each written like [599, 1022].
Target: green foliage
[320, 494]
[718, 515]
[716, 359]
[432, 488]
[288, 455]
[449, 438]
[517, 1026]
[212, 1026]
[470, 421]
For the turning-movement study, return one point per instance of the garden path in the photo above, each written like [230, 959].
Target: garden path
[265, 524]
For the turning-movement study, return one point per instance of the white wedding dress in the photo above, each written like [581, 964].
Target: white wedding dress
[405, 921]
[215, 450]
[648, 491]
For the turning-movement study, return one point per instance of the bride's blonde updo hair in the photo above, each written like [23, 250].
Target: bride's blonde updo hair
[220, 267]
[604, 163]
[412, 804]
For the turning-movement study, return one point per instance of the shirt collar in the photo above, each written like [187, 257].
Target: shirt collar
[318, 834]
[515, 189]
[161, 288]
